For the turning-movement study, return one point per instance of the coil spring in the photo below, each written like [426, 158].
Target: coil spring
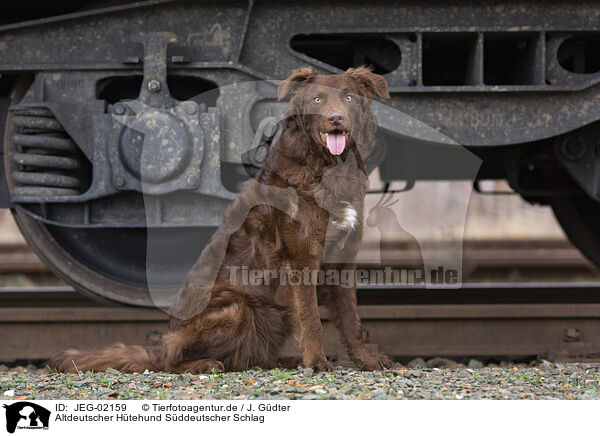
[47, 160]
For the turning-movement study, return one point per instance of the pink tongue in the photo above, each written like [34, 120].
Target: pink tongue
[336, 142]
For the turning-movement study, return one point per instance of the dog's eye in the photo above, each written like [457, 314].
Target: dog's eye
[348, 97]
[317, 99]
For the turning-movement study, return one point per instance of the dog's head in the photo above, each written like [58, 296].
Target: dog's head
[333, 109]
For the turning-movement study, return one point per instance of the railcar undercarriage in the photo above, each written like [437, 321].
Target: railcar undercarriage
[82, 89]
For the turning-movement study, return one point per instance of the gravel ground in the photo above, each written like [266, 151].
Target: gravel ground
[545, 381]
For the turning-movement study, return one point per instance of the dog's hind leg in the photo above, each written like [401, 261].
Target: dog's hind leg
[232, 333]
[174, 348]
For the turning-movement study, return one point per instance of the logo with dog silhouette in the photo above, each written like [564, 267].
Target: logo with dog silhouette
[26, 415]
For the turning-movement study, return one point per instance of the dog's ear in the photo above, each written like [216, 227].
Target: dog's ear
[298, 78]
[371, 83]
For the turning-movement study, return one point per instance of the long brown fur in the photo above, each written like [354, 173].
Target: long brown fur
[235, 326]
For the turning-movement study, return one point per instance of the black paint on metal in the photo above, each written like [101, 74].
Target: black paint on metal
[518, 85]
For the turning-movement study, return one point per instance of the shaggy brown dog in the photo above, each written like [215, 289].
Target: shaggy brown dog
[303, 212]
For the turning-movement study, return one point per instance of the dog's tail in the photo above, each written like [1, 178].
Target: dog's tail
[127, 358]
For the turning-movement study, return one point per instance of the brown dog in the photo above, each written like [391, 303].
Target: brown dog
[303, 212]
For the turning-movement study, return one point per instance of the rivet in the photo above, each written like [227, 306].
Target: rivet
[153, 85]
[573, 147]
[261, 153]
[192, 180]
[270, 129]
[190, 108]
[118, 109]
[119, 182]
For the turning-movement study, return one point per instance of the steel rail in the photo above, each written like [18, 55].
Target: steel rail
[560, 321]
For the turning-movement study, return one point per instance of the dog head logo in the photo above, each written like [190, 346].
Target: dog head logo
[26, 415]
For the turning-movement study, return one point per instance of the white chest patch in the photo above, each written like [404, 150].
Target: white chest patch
[349, 218]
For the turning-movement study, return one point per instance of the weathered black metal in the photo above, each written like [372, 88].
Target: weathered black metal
[511, 82]
[528, 37]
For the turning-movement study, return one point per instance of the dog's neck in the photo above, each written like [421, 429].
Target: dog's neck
[300, 162]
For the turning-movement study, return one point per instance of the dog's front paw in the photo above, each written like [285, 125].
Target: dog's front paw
[319, 365]
[373, 362]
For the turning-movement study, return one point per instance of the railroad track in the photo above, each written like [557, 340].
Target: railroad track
[511, 320]
[510, 261]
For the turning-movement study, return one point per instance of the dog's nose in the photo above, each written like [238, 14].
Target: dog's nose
[336, 118]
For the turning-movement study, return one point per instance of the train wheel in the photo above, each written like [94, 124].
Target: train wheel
[579, 217]
[116, 265]
[112, 265]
